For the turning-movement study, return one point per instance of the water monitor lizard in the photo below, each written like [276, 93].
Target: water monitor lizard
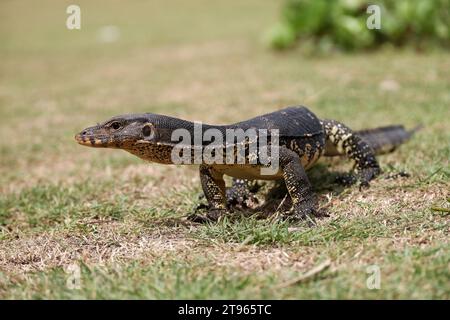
[302, 139]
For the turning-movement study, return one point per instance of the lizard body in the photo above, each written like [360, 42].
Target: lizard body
[302, 139]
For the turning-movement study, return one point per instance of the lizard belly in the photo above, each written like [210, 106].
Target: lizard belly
[253, 172]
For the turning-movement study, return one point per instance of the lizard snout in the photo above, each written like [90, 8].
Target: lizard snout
[88, 138]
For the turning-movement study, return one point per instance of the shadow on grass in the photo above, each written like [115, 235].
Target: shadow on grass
[272, 197]
[257, 226]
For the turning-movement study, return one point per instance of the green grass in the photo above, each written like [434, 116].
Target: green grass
[122, 220]
[199, 279]
[251, 231]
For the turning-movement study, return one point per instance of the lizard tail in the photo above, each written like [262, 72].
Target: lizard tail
[386, 139]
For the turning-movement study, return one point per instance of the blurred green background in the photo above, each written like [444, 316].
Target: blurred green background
[325, 25]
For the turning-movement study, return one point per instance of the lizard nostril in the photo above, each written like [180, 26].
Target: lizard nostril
[84, 133]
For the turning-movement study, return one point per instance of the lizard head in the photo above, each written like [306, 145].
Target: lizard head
[147, 136]
[121, 132]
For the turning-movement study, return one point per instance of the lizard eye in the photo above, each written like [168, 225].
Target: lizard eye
[146, 130]
[115, 125]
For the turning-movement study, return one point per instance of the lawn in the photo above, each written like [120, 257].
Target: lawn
[77, 222]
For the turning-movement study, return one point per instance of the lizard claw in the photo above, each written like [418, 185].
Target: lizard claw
[364, 176]
[399, 174]
[241, 195]
[304, 211]
[197, 218]
[212, 216]
[346, 179]
[364, 185]
[367, 174]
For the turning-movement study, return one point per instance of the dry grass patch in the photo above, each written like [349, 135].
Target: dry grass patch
[111, 243]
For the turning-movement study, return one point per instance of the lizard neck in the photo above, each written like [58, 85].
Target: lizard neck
[176, 133]
[159, 153]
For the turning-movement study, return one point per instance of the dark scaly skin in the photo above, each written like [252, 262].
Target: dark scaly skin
[354, 147]
[303, 139]
[241, 194]
[381, 140]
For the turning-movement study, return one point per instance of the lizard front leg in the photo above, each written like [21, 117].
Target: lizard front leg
[297, 184]
[213, 186]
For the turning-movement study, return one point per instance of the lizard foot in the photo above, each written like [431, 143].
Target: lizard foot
[346, 179]
[367, 174]
[242, 195]
[304, 211]
[363, 176]
[396, 175]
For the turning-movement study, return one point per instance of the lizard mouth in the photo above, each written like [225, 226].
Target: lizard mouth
[91, 141]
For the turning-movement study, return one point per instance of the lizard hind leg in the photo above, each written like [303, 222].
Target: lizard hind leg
[347, 142]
